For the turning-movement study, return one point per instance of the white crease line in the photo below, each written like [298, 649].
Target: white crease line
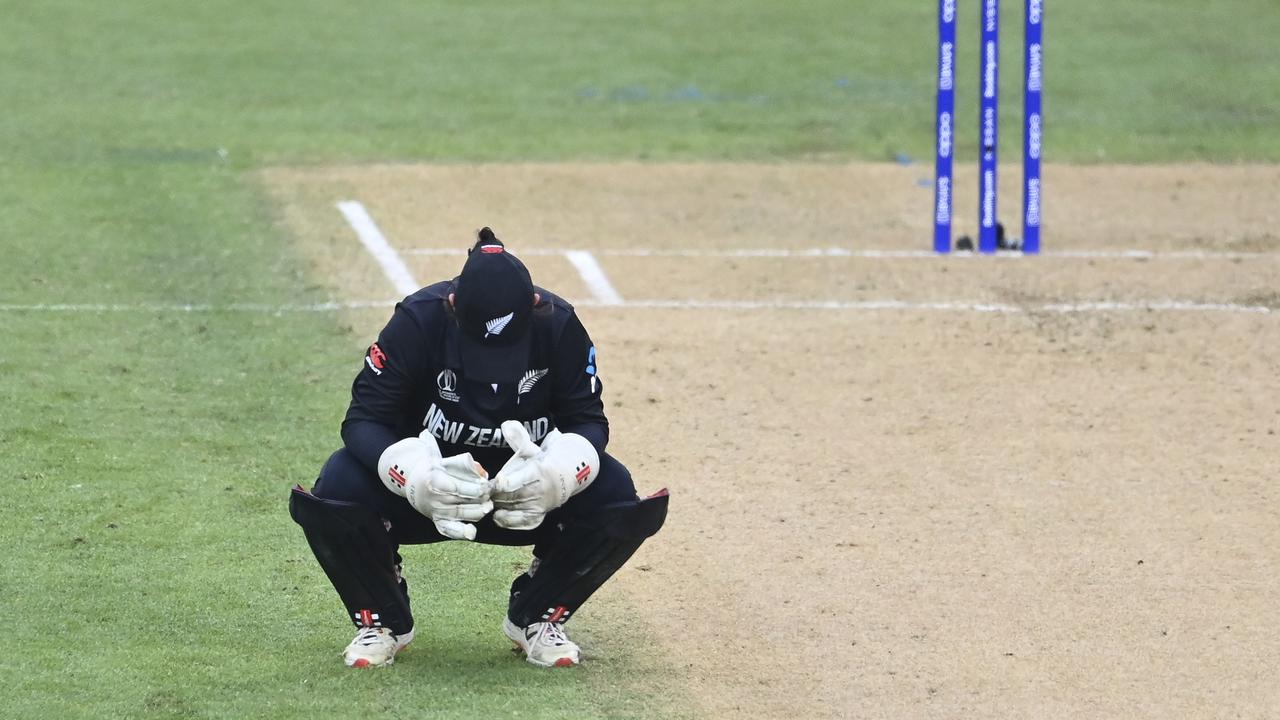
[871, 253]
[376, 243]
[593, 275]
[1082, 307]
[253, 308]
[1159, 254]
[739, 252]
[866, 305]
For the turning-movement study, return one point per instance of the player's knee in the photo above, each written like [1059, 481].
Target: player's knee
[612, 484]
[342, 478]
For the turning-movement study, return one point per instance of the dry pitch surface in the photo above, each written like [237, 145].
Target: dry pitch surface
[905, 512]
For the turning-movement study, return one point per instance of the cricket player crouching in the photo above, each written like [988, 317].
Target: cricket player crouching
[476, 416]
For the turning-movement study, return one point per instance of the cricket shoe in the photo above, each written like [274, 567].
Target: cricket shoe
[374, 647]
[544, 643]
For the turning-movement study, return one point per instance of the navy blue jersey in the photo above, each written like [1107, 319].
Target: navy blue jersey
[413, 379]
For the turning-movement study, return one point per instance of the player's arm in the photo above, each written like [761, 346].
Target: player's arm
[452, 491]
[383, 389]
[576, 396]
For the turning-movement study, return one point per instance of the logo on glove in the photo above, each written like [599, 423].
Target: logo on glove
[582, 472]
[396, 475]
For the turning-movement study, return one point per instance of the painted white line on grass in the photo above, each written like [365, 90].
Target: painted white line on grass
[850, 305]
[980, 307]
[1160, 254]
[376, 243]
[593, 275]
[684, 253]
[252, 308]
[872, 253]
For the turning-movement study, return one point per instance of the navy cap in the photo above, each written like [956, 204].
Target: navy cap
[493, 301]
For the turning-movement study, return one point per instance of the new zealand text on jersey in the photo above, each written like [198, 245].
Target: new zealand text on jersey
[454, 433]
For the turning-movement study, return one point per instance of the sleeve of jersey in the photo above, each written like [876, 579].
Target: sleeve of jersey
[577, 405]
[383, 389]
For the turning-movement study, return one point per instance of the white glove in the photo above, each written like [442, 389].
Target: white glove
[407, 459]
[452, 491]
[454, 495]
[537, 480]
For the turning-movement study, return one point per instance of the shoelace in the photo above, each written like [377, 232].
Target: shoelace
[555, 634]
[367, 635]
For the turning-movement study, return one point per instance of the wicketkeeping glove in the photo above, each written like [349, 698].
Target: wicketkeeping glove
[537, 480]
[452, 491]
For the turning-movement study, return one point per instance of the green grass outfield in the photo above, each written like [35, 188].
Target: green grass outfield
[150, 568]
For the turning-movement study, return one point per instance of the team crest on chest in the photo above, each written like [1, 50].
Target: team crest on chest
[527, 382]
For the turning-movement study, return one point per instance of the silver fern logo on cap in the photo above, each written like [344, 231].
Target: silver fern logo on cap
[498, 324]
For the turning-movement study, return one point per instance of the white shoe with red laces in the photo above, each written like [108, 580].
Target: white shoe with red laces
[374, 647]
[544, 644]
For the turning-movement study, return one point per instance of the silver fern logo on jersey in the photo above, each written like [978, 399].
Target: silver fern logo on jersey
[498, 324]
[527, 382]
